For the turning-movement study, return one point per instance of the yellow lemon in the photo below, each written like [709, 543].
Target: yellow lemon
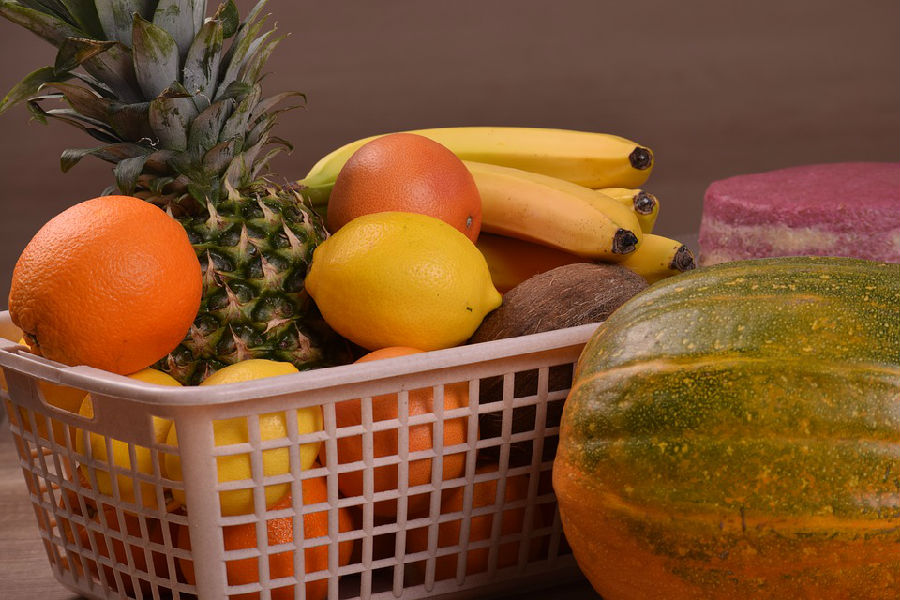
[120, 456]
[401, 279]
[272, 426]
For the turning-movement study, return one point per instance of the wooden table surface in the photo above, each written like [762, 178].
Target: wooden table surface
[25, 571]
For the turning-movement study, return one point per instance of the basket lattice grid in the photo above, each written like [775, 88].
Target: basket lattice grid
[472, 511]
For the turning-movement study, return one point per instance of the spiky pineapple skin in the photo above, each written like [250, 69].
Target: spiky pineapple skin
[255, 249]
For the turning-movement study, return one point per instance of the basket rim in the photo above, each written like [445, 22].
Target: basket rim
[95, 380]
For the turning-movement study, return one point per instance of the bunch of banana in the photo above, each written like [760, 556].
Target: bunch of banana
[594, 160]
[554, 212]
[562, 193]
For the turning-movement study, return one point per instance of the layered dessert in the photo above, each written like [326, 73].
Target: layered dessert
[839, 209]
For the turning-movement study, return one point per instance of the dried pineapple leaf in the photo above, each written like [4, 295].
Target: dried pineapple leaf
[230, 18]
[217, 159]
[236, 90]
[266, 105]
[50, 7]
[204, 133]
[263, 163]
[84, 15]
[110, 153]
[237, 124]
[158, 162]
[84, 101]
[175, 90]
[115, 69]
[201, 66]
[49, 27]
[245, 41]
[170, 16]
[70, 116]
[29, 87]
[73, 52]
[256, 11]
[131, 121]
[156, 60]
[252, 68]
[170, 118]
[259, 131]
[98, 86]
[286, 145]
[127, 172]
[116, 17]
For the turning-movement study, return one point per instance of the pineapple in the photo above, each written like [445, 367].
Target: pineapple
[183, 119]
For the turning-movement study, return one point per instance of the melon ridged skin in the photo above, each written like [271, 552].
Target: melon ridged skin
[734, 432]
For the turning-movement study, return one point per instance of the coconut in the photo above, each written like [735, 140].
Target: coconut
[567, 296]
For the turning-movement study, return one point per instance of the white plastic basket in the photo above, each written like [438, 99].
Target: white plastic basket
[525, 377]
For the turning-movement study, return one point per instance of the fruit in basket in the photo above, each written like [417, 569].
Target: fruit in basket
[484, 494]
[272, 426]
[401, 279]
[586, 158]
[281, 531]
[407, 173]
[386, 442]
[96, 449]
[567, 296]
[732, 433]
[176, 102]
[511, 260]
[60, 396]
[82, 524]
[644, 204]
[111, 283]
[659, 257]
[553, 212]
[90, 537]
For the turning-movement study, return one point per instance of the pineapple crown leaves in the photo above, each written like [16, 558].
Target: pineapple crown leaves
[153, 82]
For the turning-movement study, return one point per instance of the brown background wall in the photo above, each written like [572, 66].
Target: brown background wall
[715, 87]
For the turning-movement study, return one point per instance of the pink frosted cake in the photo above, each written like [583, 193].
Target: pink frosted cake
[841, 209]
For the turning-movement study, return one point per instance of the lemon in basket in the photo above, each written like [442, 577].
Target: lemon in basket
[272, 426]
[401, 279]
[121, 457]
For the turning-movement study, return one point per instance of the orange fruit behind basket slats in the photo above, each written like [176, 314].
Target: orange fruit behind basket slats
[111, 283]
[386, 442]
[480, 527]
[90, 538]
[281, 531]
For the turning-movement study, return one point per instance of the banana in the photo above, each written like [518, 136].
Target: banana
[512, 261]
[659, 257]
[594, 160]
[556, 213]
[645, 204]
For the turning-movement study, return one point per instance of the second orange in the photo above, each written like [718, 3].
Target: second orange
[407, 173]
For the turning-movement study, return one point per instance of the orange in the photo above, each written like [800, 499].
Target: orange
[101, 543]
[511, 261]
[280, 531]
[111, 283]
[407, 173]
[386, 442]
[484, 494]
[60, 396]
